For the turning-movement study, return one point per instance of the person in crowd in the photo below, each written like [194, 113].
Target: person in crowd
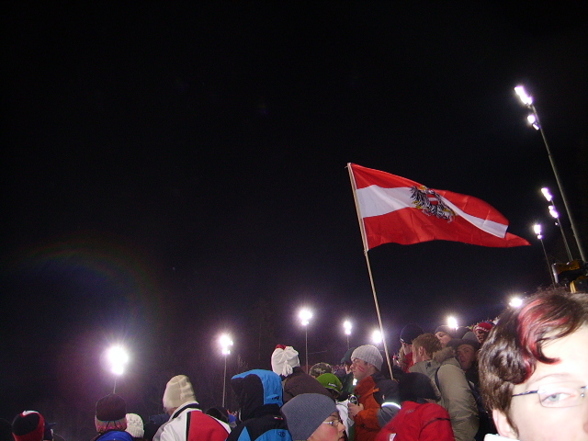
[111, 419]
[334, 385]
[187, 421]
[420, 418]
[313, 417]
[259, 394]
[440, 365]
[407, 335]
[444, 334]
[286, 364]
[534, 369]
[5, 430]
[319, 369]
[135, 426]
[28, 426]
[377, 395]
[347, 379]
[482, 330]
[466, 352]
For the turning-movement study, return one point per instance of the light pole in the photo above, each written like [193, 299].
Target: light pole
[377, 337]
[118, 358]
[555, 214]
[225, 343]
[515, 302]
[452, 322]
[537, 230]
[347, 329]
[305, 315]
[533, 119]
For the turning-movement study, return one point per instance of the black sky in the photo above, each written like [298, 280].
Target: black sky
[166, 167]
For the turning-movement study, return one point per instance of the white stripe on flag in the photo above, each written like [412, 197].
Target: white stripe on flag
[377, 201]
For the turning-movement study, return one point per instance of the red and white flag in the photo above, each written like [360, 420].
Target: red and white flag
[395, 209]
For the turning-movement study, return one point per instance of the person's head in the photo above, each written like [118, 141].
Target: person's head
[178, 391]
[28, 426]
[444, 334]
[346, 360]
[466, 352]
[313, 417]
[5, 430]
[424, 346]
[407, 335]
[481, 330]
[135, 426]
[331, 383]
[284, 360]
[111, 414]
[534, 369]
[366, 360]
[319, 369]
[416, 387]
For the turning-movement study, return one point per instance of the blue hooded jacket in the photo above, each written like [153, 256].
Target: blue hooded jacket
[259, 393]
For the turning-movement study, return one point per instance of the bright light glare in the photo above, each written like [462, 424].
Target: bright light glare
[452, 322]
[118, 358]
[553, 212]
[225, 343]
[347, 327]
[305, 315]
[515, 302]
[537, 230]
[526, 99]
[376, 337]
[547, 194]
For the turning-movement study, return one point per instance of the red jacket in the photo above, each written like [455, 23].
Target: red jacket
[418, 422]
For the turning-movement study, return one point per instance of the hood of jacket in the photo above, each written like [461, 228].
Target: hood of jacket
[258, 392]
[442, 357]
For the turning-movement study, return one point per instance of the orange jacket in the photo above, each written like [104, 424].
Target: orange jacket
[366, 421]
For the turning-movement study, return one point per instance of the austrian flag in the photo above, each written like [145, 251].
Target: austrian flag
[395, 209]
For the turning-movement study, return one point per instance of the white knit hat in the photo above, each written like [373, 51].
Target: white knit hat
[135, 425]
[284, 359]
[177, 392]
[370, 354]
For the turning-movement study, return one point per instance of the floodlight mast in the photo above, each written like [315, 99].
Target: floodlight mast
[527, 100]
[537, 229]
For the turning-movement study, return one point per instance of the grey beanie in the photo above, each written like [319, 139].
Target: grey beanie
[370, 354]
[305, 413]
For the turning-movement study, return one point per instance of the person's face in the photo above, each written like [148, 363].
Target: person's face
[535, 422]
[330, 430]
[407, 348]
[443, 337]
[360, 369]
[418, 354]
[466, 355]
[481, 335]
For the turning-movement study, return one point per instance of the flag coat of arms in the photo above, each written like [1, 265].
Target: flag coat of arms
[394, 209]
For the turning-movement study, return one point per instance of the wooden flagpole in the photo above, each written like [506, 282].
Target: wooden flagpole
[369, 268]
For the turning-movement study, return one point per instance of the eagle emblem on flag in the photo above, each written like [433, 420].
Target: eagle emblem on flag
[430, 203]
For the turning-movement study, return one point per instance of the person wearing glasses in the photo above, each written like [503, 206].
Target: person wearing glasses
[313, 417]
[534, 369]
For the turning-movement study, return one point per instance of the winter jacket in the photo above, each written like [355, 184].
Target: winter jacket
[189, 423]
[259, 394]
[372, 392]
[299, 382]
[418, 422]
[455, 392]
[114, 435]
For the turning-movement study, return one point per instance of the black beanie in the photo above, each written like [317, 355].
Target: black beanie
[415, 386]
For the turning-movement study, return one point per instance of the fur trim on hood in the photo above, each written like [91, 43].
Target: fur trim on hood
[444, 354]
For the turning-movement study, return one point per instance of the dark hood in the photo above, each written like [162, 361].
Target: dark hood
[257, 390]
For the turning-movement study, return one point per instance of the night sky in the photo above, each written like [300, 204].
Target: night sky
[172, 172]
